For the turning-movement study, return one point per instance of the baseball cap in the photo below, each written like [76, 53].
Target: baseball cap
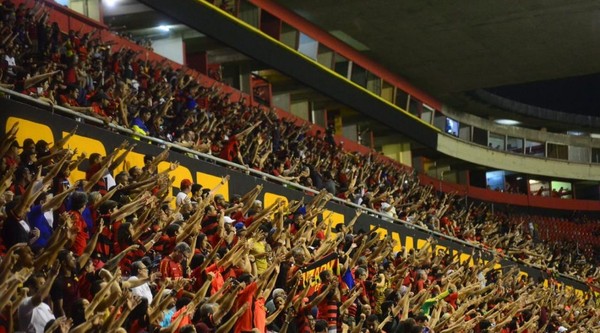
[228, 219]
[185, 183]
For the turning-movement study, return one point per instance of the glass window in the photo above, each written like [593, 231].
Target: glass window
[464, 132]
[289, 35]
[451, 126]
[387, 92]
[341, 65]
[439, 121]
[539, 187]
[514, 145]
[325, 56]
[427, 113]
[515, 183]
[373, 83]
[495, 180]
[480, 136]
[563, 190]
[415, 107]
[579, 154]
[496, 141]
[359, 75]
[401, 98]
[534, 148]
[249, 13]
[558, 151]
[308, 46]
[595, 155]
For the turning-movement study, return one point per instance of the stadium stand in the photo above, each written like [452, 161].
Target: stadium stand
[110, 252]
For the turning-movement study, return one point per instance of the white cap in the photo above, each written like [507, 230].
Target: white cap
[562, 329]
[228, 219]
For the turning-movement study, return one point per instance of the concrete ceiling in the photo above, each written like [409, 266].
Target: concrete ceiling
[450, 49]
[447, 48]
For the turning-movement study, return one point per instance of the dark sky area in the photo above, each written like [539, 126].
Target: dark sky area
[579, 94]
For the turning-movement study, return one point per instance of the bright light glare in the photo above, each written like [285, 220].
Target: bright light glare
[110, 3]
[164, 28]
[508, 122]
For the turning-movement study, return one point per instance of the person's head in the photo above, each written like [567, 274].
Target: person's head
[372, 322]
[187, 329]
[165, 212]
[25, 256]
[181, 302]
[196, 191]
[148, 160]
[122, 178]
[326, 276]
[186, 185]
[78, 311]
[220, 200]
[139, 269]
[278, 292]
[361, 274]
[94, 197]
[245, 278]
[299, 256]
[421, 319]
[197, 260]
[95, 158]
[202, 241]
[125, 234]
[320, 326]
[66, 260]
[181, 251]
[35, 282]
[172, 229]
[42, 198]
[207, 310]
[135, 172]
[28, 145]
[366, 309]
[78, 200]
[107, 207]
[14, 148]
[210, 210]
[23, 175]
[145, 114]
[73, 91]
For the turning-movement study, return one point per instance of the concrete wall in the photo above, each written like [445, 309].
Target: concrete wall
[506, 161]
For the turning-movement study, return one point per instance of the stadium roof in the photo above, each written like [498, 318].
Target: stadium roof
[448, 48]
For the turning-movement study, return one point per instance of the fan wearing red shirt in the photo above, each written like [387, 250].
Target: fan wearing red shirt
[328, 308]
[231, 149]
[170, 266]
[245, 296]
[78, 204]
[69, 100]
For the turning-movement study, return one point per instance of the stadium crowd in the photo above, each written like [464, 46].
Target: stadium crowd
[109, 254]
[97, 256]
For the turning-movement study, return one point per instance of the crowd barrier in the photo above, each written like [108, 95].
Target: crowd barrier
[36, 122]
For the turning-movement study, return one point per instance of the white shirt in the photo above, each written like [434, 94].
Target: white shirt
[11, 62]
[142, 291]
[34, 319]
[49, 215]
[181, 197]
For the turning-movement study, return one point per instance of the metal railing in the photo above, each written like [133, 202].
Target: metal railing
[247, 170]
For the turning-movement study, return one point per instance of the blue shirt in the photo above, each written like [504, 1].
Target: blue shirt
[37, 219]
